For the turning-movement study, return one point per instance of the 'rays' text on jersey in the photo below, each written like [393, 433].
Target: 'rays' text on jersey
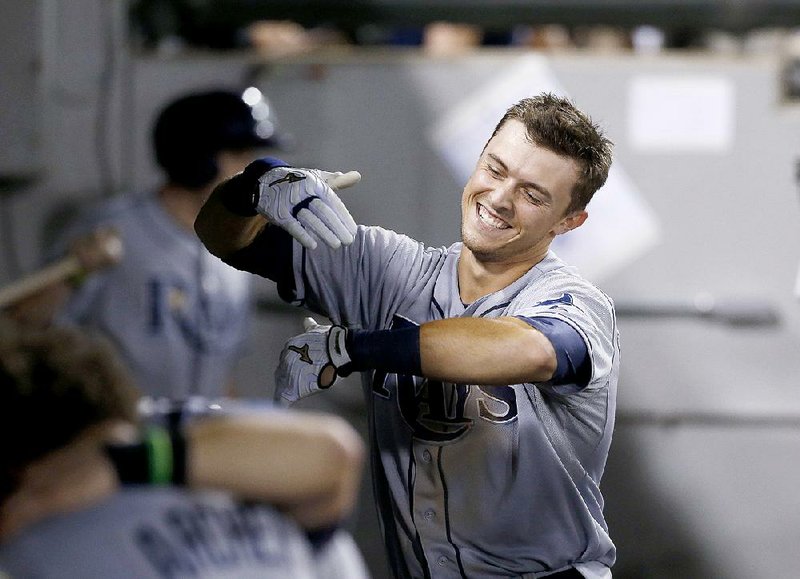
[441, 412]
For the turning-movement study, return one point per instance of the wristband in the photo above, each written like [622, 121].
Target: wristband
[159, 458]
[240, 193]
[395, 351]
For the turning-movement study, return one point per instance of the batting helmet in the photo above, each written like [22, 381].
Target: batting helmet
[191, 130]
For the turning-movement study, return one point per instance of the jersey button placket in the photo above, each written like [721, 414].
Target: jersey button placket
[428, 506]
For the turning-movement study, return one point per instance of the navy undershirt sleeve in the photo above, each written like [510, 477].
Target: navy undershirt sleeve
[270, 256]
[574, 365]
[270, 253]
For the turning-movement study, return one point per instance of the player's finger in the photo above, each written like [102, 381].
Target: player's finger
[314, 224]
[343, 180]
[309, 324]
[344, 214]
[333, 219]
[335, 181]
[296, 230]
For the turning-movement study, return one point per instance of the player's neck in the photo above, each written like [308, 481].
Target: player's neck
[182, 204]
[65, 480]
[477, 278]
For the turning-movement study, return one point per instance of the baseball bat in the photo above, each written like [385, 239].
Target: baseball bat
[106, 250]
[741, 312]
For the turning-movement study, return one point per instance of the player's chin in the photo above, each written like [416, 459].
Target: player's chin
[480, 248]
[482, 234]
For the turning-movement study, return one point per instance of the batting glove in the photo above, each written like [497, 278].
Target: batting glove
[304, 203]
[311, 362]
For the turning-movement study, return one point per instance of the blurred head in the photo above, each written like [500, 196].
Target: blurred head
[55, 383]
[556, 124]
[202, 138]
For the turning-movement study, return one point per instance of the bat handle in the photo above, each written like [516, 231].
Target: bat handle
[57, 272]
[99, 249]
[345, 180]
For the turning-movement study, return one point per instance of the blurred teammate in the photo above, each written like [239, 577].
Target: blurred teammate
[69, 408]
[177, 314]
[490, 367]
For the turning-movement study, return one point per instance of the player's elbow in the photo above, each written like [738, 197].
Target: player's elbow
[343, 452]
[539, 358]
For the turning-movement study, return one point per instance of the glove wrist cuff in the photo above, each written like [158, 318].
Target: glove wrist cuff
[240, 194]
[337, 350]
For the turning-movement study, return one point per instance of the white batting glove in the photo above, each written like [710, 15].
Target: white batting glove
[303, 202]
[310, 362]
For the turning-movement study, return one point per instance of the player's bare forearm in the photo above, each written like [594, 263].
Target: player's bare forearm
[497, 351]
[224, 232]
[494, 351]
[308, 465]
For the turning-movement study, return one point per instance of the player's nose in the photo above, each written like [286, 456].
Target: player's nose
[501, 196]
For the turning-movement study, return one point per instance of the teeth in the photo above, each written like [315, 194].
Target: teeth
[489, 219]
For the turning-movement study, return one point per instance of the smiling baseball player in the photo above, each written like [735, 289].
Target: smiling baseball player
[490, 367]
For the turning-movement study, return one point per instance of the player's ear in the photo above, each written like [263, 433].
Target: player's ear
[571, 221]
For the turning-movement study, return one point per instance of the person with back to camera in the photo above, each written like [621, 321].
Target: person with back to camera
[176, 313]
[70, 408]
[489, 367]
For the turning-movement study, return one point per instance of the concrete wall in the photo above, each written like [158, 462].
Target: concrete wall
[701, 479]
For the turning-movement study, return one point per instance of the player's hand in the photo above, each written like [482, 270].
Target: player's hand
[311, 362]
[99, 249]
[304, 203]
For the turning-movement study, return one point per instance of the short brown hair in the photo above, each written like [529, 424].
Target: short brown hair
[556, 124]
[54, 384]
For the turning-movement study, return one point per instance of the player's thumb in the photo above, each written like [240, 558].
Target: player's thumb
[341, 180]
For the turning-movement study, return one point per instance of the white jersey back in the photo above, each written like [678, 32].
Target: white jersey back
[158, 533]
[476, 481]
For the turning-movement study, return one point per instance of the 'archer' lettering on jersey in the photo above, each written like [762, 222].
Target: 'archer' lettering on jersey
[438, 412]
[198, 538]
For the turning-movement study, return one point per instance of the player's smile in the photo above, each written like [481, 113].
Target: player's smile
[515, 201]
[489, 218]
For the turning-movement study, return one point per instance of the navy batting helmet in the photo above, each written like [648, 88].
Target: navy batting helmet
[191, 130]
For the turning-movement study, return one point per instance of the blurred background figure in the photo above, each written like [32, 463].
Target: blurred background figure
[177, 314]
[279, 38]
[64, 513]
[451, 38]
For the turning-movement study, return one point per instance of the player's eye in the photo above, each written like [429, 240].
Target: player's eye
[531, 197]
[493, 171]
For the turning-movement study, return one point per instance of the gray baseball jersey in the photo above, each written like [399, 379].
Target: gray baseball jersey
[177, 314]
[475, 481]
[169, 533]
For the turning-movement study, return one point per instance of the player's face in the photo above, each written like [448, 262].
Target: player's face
[514, 203]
